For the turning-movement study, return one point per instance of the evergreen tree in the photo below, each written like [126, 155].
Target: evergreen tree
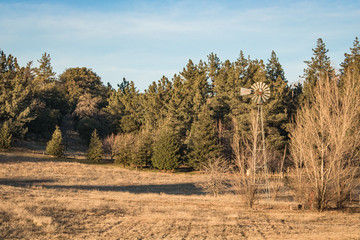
[204, 143]
[221, 91]
[115, 109]
[125, 108]
[278, 108]
[155, 100]
[213, 68]
[274, 69]
[5, 137]
[16, 101]
[318, 66]
[166, 151]
[133, 117]
[50, 103]
[179, 114]
[44, 75]
[124, 149]
[352, 60]
[75, 82]
[142, 149]
[95, 152]
[55, 146]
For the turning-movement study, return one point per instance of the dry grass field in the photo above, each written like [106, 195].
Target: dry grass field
[41, 198]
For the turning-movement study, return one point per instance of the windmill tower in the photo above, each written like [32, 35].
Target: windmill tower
[259, 93]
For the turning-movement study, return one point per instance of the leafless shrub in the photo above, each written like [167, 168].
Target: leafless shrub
[325, 142]
[109, 145]
[123, 147]
[216, 181]
[277, 179]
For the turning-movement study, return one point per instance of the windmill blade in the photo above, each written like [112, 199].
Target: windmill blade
[261, 92]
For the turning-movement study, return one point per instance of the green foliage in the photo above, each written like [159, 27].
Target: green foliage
[201, 105]
[142, 150]
[157, 97]
[76, 82]
[204, 142]
[45, 77]
[86, 126]
[351, 62]
[55, 146]
[16, 100]
[49, 108]
[318, 66]
[166, 151]
[95, 152]
[125, 108]
[5, 137]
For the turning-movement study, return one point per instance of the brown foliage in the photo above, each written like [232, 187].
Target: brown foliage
[325, 142]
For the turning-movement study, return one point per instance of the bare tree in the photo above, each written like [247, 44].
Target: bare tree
[325, 142]
[277, 179]
[109, 145]
[216, 181]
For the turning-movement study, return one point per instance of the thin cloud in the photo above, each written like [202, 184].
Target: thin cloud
[159, 37]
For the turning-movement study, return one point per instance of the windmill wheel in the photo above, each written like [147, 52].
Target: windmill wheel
[261, 92]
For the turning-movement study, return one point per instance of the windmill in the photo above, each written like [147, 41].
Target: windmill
[260, 93]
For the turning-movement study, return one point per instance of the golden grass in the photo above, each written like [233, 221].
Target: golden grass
[44, 199]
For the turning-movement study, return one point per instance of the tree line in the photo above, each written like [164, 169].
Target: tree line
[185, 120]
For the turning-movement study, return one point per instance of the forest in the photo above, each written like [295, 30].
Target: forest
[199, 120]
[180, 121]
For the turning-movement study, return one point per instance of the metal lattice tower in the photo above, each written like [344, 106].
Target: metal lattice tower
[259, 93]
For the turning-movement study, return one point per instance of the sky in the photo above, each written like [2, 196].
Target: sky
[144, 40]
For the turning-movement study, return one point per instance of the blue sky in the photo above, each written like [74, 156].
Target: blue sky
[143, 40]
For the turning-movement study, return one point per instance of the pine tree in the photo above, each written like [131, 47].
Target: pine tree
[155, 101]
[221, 91]
[50, 103]
[95, 152]
[213, 68]
[15, 95]
[204, 143]
[352, 60]
[274, 69]
[166, 151]
[44, 75]
[142, 149]
[179, 114]
[5, 137]
[318, 66]
[78, 81]
[126, 108]
[55, 146]
[132, 119]
[278, 107]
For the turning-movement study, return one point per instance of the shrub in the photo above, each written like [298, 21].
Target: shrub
[55, 146]
[123, 149]
[166, 151]
[95, 151]
[216, 181]
[5, 137]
